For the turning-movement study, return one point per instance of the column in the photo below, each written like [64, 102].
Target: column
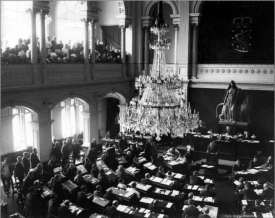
[94, 125]
[57, 125]
[92, 41]
[194, 22]
[86, 43]
[35, 134]
[33, 38]
[42, 37]
[176, 43]
[123, 52]
[146, 49]
[7, 142]
[194, 51]
[86, 130]
[45, 140]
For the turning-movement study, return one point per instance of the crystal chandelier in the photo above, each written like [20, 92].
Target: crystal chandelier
[160, 107]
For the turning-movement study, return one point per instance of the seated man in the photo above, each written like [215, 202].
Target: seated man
[78, 179]
[71, 172]
[53, 205]
[121, 184]
[122, 144]
[181, 159]
[173, 152]
[254, 163]
[249, 193]
[238, 166]
[38, 171]
[257, 207]
[81, 199]
[56, 186]
[270, 207]
[146, 180]
[195, 180]
[111, 211]
[108, 195]
[269, 162]
[133, 190]
[63, 211]
[206, 191]
[28, 182]
[129, 158]
[160, 172]
[98, 192]
[212, 147]
[267, 193]
[190, 196]
[52, 164]
[205, 213]
[121, 172]
[191, 210]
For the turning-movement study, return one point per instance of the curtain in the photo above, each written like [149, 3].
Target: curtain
[112, 35]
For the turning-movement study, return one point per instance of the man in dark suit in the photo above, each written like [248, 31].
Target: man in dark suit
[160, 173]
[26, 163]
[19, 170]
[249, 194]
[98, 192]
[71, 172]
[195, 180]
[146, 180]
[205, 213]
[206, 192]
[81, 199]
[63, 211]
[34, 158]
[254, 163]
[212, 147]
[191, 211]
[122, 144]
[257, 207]
[267, 193]
[111, 211]
[190, 196]
[237, 166]
[270, 207]
[108, 195]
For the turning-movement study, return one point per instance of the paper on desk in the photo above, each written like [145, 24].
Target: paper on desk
[200, 208]
[128, 194]
[152, 167]
[147, 164]
[167, 192]
[267, 215]
[197, 198]
[199, 189]
[236, 182]
[147, 215]
[258, 191]
[157, 190]
[141, 210]
[262, 203]
[169, 205]
[108, 173]
[157, 179]
[147, 211]
[160, 215]
[244, 202]
[147, 200]
[195, 187]
[175, 192]
[177, 176]
[189, 187]
[202, 177]
[121, 208]
[184, 206]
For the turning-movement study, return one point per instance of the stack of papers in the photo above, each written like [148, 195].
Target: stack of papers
[108, 173]
[252, 171]
[121, 208]
[244, 202]
[152, 167]
[147, 164]
[200, 208]
[157, 179]
[258, 191]
[175, 192]
[197, 198]
[208, 181]
[157, 190]
[189, 187]
[195, 187]
[167, 192]
[147, 215]
[141, 210]
[178, 176]
[147, 200]
[160, 215]
[169, 205]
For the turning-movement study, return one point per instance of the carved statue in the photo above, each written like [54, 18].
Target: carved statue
[229, 103]
[245, 109]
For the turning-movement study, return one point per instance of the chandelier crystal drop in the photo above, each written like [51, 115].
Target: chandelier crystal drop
[161, 107]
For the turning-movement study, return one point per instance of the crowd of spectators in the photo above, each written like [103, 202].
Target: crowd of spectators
[57, 52]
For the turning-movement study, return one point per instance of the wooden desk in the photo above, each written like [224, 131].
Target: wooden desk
[163, 183]
[90, 179]
[97, 215]
[196, 189]
[142, 160]
[213, 211]
[252, 202]
[101, 202]
[82, 169]
[173, 196]
[121, 194]
[144, 189]
[165, 207]
[205, 200]
[46, 192]
[126, 211]
[177, 176]
[151, 168]
[74, 209]
[69, 186]
[109, 173]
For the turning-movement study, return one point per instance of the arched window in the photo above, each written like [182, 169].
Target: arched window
[69, 26]
[16, 22]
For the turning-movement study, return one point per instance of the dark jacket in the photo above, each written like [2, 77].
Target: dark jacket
[253, 164]
[111, 211]
[204, 216]
[108, 197]
[236, 168]
[81, 199]
[195, 180]
[34, 160]
[207, 193]
[26, 164]
[99, 194]
[250, 195]
[71, 173]
[160, 175]
[19, 170]
[146, 181]
[190, 212]
[267, 194]
[256, 209]
[64, 212]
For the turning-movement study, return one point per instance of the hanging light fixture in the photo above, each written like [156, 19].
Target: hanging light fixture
[160, 107]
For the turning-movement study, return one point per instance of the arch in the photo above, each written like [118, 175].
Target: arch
[114, 93]
[197, 6]
[148, 10]
[72, 95]
[24, 103]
